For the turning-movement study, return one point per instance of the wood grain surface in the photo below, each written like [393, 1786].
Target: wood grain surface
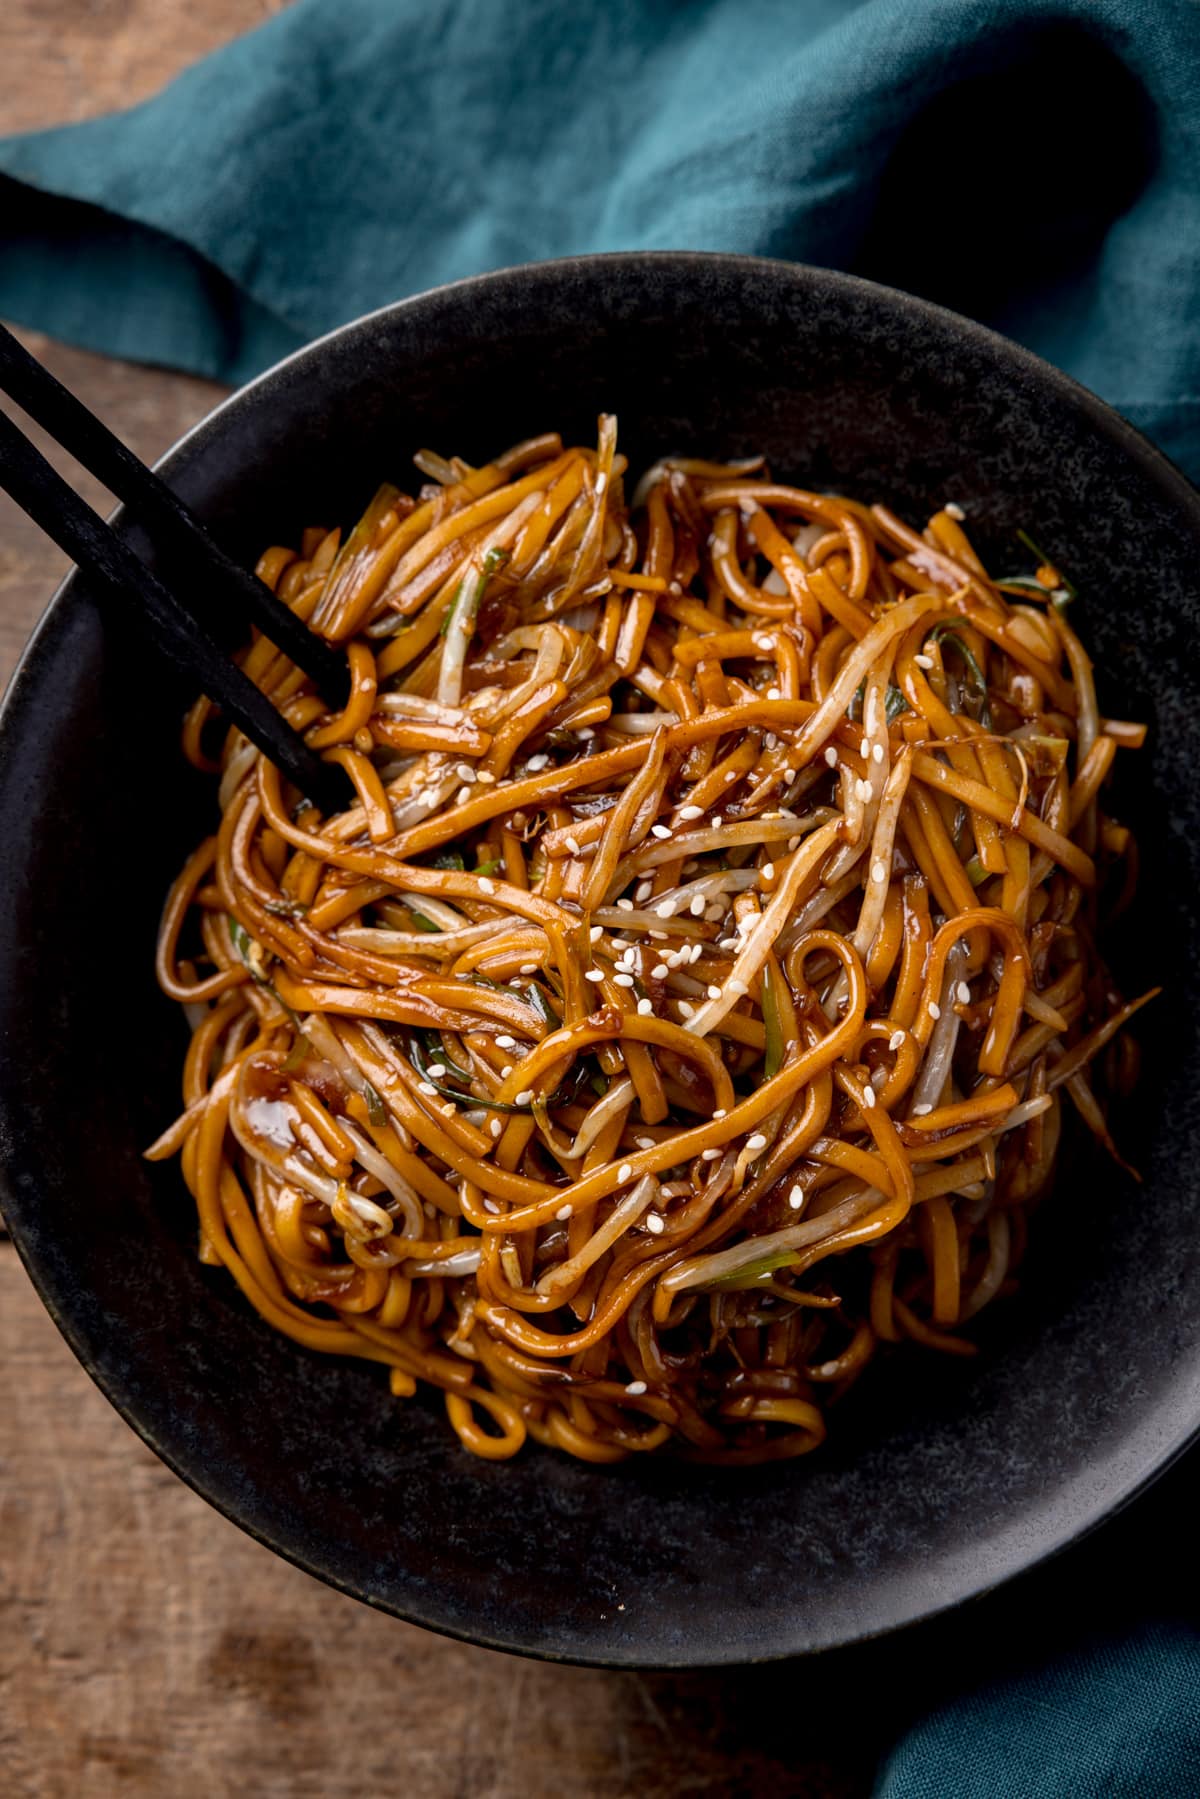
[147, 1647]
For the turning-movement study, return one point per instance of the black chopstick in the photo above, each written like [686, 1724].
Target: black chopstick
[206, 576]
[117, 575]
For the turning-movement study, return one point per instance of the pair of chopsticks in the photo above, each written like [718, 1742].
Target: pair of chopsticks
[207, 588]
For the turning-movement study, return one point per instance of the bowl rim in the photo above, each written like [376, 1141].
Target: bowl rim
[1062, 1520]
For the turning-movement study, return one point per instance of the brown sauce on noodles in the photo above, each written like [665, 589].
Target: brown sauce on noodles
[686, 1009]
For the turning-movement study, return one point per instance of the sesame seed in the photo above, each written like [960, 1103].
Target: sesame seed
[768, 871]
[710, 1155]
[635, 1389]
[536, 763]
[642, 891]
[662, 832]
[731, 777]
[485, 775]
[739, 988]
[462, 796]
[954, 510]
[690, 812]
[655, 1224]
[495, 1127]
[714, 992]
[793, 843]
[573, 846]
[623, 980]
[757, 1142]
[625, 1171]
[864, 748]
[465, 772]
[587, 734]
[524, 1096]
[528, 968]
[506, 1042]
[831, 756]
[773, 693]
[877, 752]
[428, 1088]
[879, 871]
[935, 1011]
[644, 1142]
[626, 905]
[436, 1070]
[645, 1007]
[796, 1198]
[506, 1071]
[564, 1211]
[923, 661]
[686, 1009]
[963, 994]
[697, 906]
[868, 1097]
[896, 1040]
[595, 934]
[920, 1111]
[486, 885]
[660, 971]
[428, 796]
[593, 974]
[720, 1113]
[717, 820]
[865, 791]
[762, 641]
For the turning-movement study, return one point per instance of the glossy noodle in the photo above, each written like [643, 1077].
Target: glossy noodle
[685, 1008]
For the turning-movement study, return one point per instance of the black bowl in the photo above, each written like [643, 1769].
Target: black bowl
[939, 1481]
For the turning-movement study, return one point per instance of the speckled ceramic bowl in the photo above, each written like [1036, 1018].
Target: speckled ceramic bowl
[938, 1481]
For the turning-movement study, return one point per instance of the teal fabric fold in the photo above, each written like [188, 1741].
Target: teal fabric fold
[1031, 162]
[1118, 1719]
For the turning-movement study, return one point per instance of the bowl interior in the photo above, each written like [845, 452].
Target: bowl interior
[938, 1480]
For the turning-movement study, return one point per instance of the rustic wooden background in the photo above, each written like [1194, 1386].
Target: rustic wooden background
[147, 1648]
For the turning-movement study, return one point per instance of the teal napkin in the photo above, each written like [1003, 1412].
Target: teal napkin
[1032, 162]
[1118, 1719]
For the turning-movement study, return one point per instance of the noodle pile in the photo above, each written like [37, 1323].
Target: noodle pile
[685, 1004]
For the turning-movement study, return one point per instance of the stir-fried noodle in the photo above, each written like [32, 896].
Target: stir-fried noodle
[686, 1007]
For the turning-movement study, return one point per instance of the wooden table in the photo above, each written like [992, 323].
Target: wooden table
[147, 1647]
